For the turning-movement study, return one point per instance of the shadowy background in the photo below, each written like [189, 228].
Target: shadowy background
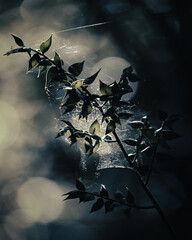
[35, 169]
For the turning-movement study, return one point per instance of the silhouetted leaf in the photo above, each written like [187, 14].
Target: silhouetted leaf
[148, 132]
[130, 198]
[105, 89]
[18, 40]
[162, 115]
[103, 191]
[76, 68]
[107, 138]
[95, 127]
[136, 124]
[110, 127]
[44, 47]
[119, 195]
[77, 83]
[57, 60]
[128, 69]
[17, 50]
[68, 123]
[134, 77]
[72, 195]
[125, 115]
[131, 142]
[80, 186]
[109, 206]
[169, 134]
[91, 79]
[71, 98]
[97, 205]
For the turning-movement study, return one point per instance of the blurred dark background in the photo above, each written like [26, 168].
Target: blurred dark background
[35, 169]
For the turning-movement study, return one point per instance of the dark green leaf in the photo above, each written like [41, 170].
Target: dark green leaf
[80, 186]
[134, 77]
[18, 50]
[18, 40]
[57, 60]
[91, 79]
[169, 134]
[131, 142]
[128, 69]
[44, 47]
[95, 127]
[72, 195]
[109, 206]
[130, 198]
[34, 61]
[148, 132]
[105, 89]
[41, 69]
[110, 127]
[97, 205]
[136, 124]
[125, 115]
[71, 98]
[96, 146]
[103, 191]
[53, 75]
[86, 109]
[76, 68]
[119, 195]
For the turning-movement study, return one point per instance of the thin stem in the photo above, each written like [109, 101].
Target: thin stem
[119, 201]
[154, 154]
[143, 185]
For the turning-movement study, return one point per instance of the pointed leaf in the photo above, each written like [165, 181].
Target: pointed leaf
[130, 198]
[109, 206]
[148, 132]
[91, 79]
[110, 127]
[119, 195]
[44, 47]
[18, 40]
[134, 77]
[96, 146]
[72, 195]
[105, 89]
[125, 115]
[95, 127]
[76, 68]
[57, 60]
[103, 191]
[34, 61]
[131, 142]
[62, 132]
[97, 205]
[80, 186]
[17, 50]
[85, 197]
[128, 69]
[136, 124]
[53, 75]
